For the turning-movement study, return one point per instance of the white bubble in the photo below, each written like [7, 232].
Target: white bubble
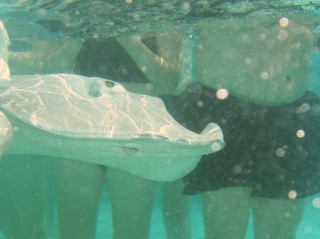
[264, 75]
[216, 146]
[143, 69]
[129, 1]
[300, 133]
[316, 202]
[248, 61]
[222, 94]
[292, 194]
[200, 103]
[283, 35]
[305, 107]
[280, 152]
[283, 22]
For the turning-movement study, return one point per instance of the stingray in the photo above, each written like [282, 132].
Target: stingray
[98, 121]
[5, 133]
[5, 126]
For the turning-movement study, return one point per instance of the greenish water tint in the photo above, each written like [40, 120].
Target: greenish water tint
[86, 20]
[308, 229]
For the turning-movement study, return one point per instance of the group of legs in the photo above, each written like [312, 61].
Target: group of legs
[265, 79]
[31, 186]
[232, 206]
[27, 204]
[78, 187]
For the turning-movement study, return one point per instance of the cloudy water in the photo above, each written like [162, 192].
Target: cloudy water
[137, 119]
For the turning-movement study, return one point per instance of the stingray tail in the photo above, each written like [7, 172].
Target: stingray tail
[214, 131]
[4, 43]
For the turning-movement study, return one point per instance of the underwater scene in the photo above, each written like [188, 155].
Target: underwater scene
[158, 119]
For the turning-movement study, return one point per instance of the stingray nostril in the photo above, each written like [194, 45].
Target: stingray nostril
[109, 83]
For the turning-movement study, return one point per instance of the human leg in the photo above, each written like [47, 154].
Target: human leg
[176, 211]
[276, 219]
[46, 57]
[132, 202]
[226, 212]
[27, 179]
[7, 222]
[79, 186]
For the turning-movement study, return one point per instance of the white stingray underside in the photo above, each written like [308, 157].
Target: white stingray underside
[5, 133]
[98, 121]
[85, 107]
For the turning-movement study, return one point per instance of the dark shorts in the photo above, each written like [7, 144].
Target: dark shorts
[273, 150]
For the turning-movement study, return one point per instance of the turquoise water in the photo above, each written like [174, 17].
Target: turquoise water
[310, 225]
[308, 229]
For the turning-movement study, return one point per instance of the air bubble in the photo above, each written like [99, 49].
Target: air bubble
[283, 35]
[248, 61]
[292, 194]
[200, 103]
[305, 107]
[300, 133]
[144, 69]
[216, 146]
[264, 75]
[280, 152]
[316, 203]
[222, 94]
[284, 22]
